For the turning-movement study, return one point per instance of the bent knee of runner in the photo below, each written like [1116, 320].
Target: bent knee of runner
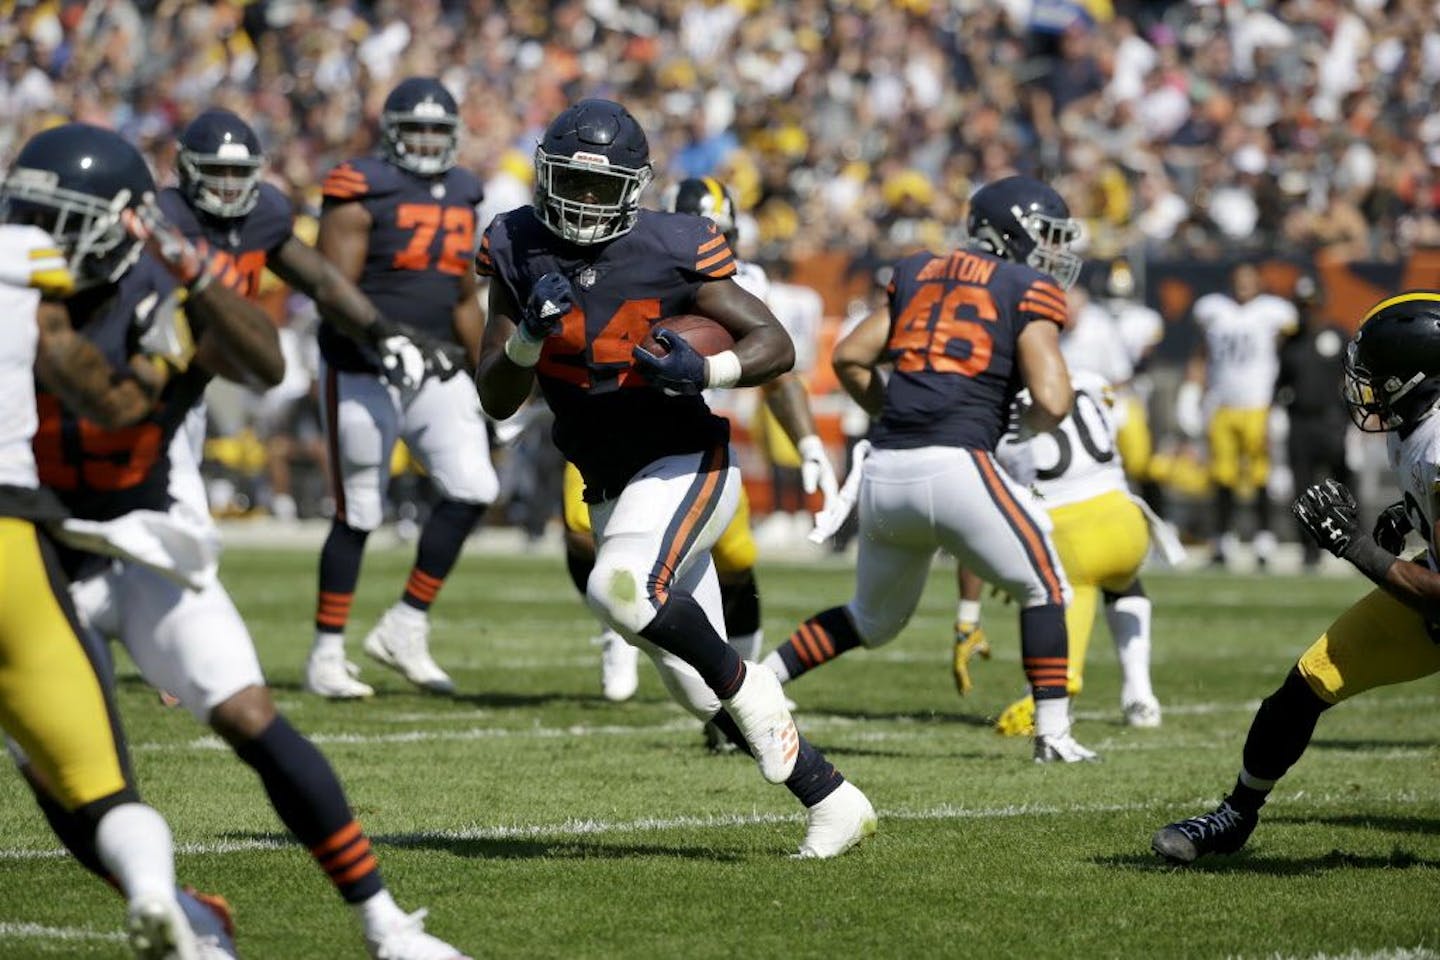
[619, 593]
[876, 628]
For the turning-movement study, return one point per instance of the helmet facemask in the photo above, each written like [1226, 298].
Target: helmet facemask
[97, 247]
[1372, 407]
[225, 184]
[1053, 238]
[586, 199]
[424, 140]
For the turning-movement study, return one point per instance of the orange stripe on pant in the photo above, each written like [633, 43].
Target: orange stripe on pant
[711, 469]
[1030, 536]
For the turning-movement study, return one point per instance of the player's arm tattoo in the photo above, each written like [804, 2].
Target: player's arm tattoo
[335, 294]
[235, 338]
[469, 323]
[857, 357]
[789, 401]
[1043, 371]
[762, 346]
[70, 366]
[502, 383]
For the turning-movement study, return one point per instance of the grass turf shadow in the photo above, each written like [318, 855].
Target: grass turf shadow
[1268, 864]
[521, 848]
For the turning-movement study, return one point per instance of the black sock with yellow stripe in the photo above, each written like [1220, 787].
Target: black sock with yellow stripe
[681, 628]
[307, 795]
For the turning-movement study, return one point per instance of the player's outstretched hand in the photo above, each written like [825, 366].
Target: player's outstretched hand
[680, 372]
[1391, 527]
[550, 299]
[1330, 516]
[164, 241]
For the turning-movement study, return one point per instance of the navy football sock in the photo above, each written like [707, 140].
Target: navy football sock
[818, 640]
[441, 541]
[682, 628]
[339, 573]
[741, 603]
[579, 565]
[1278, 736]
[1045, 650]
[814, 778]
[307, 795]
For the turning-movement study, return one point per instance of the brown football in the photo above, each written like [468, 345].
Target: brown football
[705, 335]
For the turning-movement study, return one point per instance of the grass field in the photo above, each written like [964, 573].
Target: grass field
[535, 819]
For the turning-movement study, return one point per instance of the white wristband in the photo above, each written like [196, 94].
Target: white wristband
[811, 447]
[722, 370]
[522, 351]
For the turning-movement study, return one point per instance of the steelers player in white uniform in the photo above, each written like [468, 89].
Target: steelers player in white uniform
[1392, 385]
[55, 705]
[1140, 330]
[1102, 536]
[787, 418]
[1237, 363]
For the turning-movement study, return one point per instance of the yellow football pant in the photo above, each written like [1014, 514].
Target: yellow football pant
[1102, 543]
[1133, 440]
[1377, 642]
[734, 553]
[1237, 435]
[52, 700]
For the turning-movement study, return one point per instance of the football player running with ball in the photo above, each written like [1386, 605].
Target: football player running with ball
[965, 332]
[1392, 385]
[577, 282]
[401, 226]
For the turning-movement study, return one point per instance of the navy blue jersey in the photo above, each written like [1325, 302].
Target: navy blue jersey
[240, 247]
[954, 325]
[422, 235]
[101, 474]
[609, 421]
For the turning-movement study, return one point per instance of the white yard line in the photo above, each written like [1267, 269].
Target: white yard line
[590, 827]
[38, 931]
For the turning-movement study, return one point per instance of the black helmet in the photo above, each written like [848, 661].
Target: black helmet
[219, 164]
[74, 181]
[420, 125]
[590, 169]
[1026, 221]
[1392, 366]
[704, 197]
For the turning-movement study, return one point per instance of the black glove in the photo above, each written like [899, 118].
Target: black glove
[680, 372]
[1391, 527]
[1330, 516]
[409, 358]
[550, 299]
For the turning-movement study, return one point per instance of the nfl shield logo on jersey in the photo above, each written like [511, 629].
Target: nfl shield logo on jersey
[587, 278]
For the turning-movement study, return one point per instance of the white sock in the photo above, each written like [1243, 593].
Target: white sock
[773, 661]
[968, 611]
[1052, 717]
[379, 913]
[329, 643]
[1129, 620]
[407, 614]
[134, 843]
[748, 645]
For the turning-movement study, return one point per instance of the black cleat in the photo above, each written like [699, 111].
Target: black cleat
[1224, 830]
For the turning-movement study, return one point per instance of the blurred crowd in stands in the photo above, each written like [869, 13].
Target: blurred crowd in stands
[1192, 129]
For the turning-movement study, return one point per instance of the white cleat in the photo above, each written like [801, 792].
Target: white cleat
[407, 940]
[1062, 750]
[401, 641]
[837, 823]
[758, 708]
[210, 919]
[158, 930]
[330, 675]
[619, 667]
[1142, 713]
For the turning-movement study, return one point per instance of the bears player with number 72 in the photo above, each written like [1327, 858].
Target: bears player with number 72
[577, 282]
[1390, 635]
[402, 227]
[964, 332]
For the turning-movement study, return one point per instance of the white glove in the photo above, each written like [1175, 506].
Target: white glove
[1189, 416]
[837, 509]
[816, 472]
[401, 361]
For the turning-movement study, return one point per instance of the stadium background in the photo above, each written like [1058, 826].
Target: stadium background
[1187, 135]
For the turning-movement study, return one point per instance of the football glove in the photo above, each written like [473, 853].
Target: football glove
[1391, 527]
[1328, 513]
[164, 241]
[550, 299]
[681, 372]
[408, 358]
[816, 471]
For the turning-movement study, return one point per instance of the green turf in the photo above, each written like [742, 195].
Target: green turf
[622, 843]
